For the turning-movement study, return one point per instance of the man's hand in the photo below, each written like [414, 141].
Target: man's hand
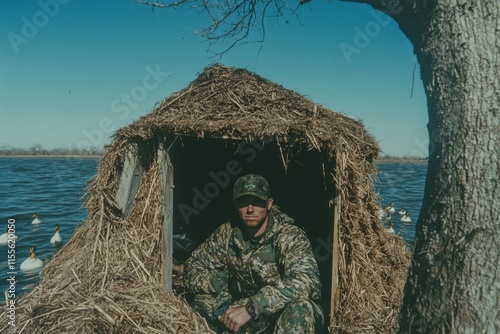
[235, 317]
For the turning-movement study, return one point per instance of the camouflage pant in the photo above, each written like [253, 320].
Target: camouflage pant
[298, 317]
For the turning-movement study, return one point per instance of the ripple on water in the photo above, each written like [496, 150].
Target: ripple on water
[50, 187]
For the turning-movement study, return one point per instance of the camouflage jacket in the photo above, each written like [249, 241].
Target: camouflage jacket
[271, 271]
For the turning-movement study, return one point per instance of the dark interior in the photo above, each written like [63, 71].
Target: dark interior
[206, 169]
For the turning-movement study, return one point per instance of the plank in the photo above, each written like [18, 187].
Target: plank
[130, 179]
[334, 299]
[167, 189]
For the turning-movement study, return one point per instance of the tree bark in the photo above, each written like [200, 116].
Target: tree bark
[453, 284]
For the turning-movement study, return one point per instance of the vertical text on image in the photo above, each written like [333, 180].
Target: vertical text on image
[11, 271]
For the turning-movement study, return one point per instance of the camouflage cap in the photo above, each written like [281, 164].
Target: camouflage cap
[252, 184]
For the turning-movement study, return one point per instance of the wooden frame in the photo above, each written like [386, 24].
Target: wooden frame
[130, 180]
[334, 297]
[167, 193]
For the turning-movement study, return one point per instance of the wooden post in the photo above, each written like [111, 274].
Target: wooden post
[334, 297]
[130, 180]
[167, 188]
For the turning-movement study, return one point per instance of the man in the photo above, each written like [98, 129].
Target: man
[257, 274]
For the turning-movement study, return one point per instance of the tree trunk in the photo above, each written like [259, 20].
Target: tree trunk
[454, 281]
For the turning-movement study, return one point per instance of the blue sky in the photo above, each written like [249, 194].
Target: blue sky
[74, 71]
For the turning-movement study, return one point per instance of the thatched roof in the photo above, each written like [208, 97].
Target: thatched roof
[108, 277]
[237, 104]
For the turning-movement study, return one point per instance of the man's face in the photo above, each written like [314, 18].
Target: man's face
[253, 211]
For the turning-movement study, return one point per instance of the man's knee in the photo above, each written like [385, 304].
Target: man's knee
[301, 316]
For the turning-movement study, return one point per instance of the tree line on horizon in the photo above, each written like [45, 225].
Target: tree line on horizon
[38, 149]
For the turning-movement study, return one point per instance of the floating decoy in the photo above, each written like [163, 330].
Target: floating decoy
[36, 221]
[391, 208]
[406, 218]
[4, 238]
[32, 262]
[390, 229]
[56, 238]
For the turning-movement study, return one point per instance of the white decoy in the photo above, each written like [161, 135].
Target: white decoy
[56, 238]
[36, 221]
[390, 229]
[402, 211]
[406, 218]
[4, 238]
[32, 262]
[391, 208]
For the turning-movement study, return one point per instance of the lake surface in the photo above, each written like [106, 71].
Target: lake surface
[403, 184]
[53, 188]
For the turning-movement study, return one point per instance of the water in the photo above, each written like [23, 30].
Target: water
[53, 188]
[403, 184]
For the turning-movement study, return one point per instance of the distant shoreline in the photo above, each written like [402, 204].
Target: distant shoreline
[383, 160]
[52, 156]
[397, 160]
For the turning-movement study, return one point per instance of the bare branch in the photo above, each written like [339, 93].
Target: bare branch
[161, 5]
[237, 21]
